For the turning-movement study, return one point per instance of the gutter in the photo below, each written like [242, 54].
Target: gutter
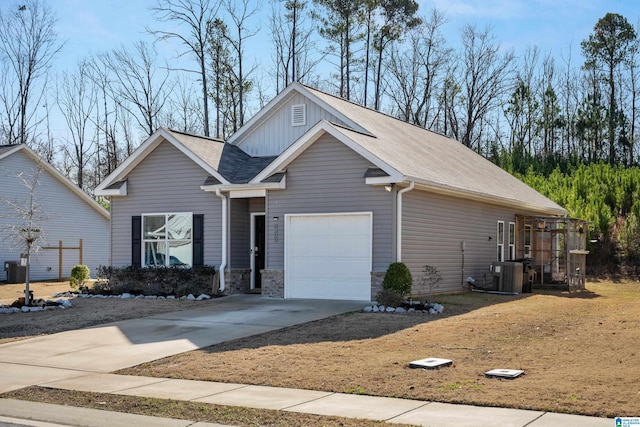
[223, 263]
[411, 186]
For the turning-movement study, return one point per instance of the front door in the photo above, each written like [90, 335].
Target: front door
[257, 250]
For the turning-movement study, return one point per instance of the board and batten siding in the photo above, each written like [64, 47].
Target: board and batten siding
[329, 178]
[67, 217]
[433, 229]
[166, 181]
[274, 135]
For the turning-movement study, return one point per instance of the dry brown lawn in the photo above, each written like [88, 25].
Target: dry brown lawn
[579, 350]
[84, 313]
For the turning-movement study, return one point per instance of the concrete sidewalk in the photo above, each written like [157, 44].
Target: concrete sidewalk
[391, 410]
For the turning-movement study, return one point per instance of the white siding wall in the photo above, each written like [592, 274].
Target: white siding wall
[434, 227]
[276, 134]
[329, 178]
[164, 182]
[69, 218]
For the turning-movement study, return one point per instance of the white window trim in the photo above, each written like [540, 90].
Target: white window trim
[512, 241]
[527, 247]
[166, 240]
[299, 115]
[500, 241]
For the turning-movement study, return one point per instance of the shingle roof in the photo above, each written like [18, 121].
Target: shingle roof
[231, 162]
[431, 158]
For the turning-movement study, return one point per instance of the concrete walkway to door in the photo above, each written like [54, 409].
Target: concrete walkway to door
[123, 344]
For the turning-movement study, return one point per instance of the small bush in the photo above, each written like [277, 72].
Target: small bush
[389, 298]
[430, 280]
[79, 273]
[398, 278]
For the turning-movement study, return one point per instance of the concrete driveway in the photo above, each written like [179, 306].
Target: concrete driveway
[119, 345]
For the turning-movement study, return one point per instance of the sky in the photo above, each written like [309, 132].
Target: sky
[90, 26]
[555, 26]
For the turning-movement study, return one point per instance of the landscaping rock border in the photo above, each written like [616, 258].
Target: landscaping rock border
[433, 309]
[45, 305]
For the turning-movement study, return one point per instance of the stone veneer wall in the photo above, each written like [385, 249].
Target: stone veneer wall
[237, 281]
[376, 283]
[273, 283]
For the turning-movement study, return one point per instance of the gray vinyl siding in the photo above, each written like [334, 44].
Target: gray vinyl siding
[67, 217]
[434, 227]
[240, 227]
[274, 135]
[166, 181]
[329, 178]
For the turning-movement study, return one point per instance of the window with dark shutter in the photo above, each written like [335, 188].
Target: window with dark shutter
[136, 241]
[198, 240]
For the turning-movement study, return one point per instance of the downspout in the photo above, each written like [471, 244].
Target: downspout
[412, 184]
[223, 263]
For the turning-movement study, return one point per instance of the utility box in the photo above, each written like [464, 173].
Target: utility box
[16, 273]
[508, 276]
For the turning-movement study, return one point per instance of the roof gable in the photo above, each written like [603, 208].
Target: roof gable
[273, 128]
[8, 150]
[205, 152]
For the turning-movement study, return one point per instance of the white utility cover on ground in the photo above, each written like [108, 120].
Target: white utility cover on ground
[504, 373]
[328, 256]
[430, 363]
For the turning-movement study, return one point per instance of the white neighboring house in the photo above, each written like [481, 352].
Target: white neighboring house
[71, 215]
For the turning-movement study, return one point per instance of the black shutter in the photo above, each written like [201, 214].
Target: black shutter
[198, 240]
[136, 241]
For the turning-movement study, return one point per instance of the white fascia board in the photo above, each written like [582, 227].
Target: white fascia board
[486, 198]
[247, 194]
[66, 181]
[130, 162]
[10, 152]
[121, 191]
[273, 106]
[245, 188]
[145, 149]
[383, 180]
[311, 136]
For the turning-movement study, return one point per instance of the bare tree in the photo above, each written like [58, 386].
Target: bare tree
[237, 36]
[26, 219]
[195, 15]
[414, 74]
[139, 84]
[293, 42]
[77, 99]
[485, 72]
[28, 45]
[340, 26]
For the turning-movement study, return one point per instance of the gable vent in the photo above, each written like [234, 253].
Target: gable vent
[298, 115]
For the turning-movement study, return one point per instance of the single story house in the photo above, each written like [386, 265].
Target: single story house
[314, 197]
[67, 217]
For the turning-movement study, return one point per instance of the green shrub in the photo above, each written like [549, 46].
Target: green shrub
[398, 278]
[79, 273]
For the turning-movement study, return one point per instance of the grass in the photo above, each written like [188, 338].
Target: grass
[579, 352]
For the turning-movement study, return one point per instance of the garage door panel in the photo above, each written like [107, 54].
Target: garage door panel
[328, 256]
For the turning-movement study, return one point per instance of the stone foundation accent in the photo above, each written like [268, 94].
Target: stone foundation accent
[273, 283]
[376, 283]
[237, 281]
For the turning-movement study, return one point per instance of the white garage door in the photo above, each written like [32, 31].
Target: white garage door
[328, 256]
